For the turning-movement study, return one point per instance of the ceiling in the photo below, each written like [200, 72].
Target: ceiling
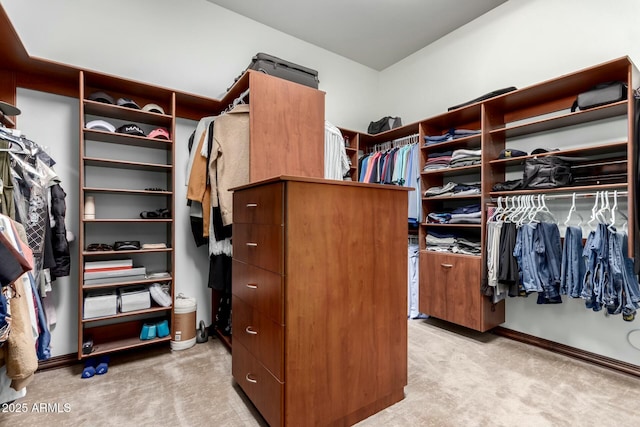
[375, 33]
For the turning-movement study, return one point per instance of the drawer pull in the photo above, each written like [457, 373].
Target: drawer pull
[252, 244]
[251, 380]
[446, 265]
[252, 205]
[252, 286]
[250, 330]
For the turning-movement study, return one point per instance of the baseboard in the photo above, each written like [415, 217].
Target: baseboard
[58, 362]
[566, 350]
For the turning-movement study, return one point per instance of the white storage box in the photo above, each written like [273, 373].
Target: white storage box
[99, 304]
[133, 298]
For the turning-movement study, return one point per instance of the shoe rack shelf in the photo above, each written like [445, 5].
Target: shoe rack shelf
[114, 169]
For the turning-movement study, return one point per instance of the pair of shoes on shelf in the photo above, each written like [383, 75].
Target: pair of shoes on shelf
[155, 330]
[158, 213]
[95, 366]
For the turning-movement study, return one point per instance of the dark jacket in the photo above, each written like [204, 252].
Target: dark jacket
[59, 235]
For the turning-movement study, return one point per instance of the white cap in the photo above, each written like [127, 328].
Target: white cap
[101, 125]
[153, 108]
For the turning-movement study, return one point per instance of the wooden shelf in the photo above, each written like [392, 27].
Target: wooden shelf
[455, 118]
[126, 191]
[128, 220]
[128, 314]
[123, 344]
[453, 197]
[606, 150]
[124, 113]
[119, 138]
[139, 251]
[428, 224]
[576, 189]
[123, 164]
[122, 284]
[472, 142]
[425, 251]
[565, 120]
[466, 169]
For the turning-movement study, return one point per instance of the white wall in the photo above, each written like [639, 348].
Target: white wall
[520, 43]
[187, 45]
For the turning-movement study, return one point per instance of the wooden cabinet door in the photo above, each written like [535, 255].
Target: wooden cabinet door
[433, 285]
[464, 300]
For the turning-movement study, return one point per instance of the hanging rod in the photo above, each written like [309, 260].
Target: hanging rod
[566, 195]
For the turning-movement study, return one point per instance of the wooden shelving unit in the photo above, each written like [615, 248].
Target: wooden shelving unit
[122, 330]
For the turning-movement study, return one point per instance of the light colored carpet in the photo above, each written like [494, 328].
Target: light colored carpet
[456, 378]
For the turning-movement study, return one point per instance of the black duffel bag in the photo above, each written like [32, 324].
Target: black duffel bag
[546, 172]
[384, 124]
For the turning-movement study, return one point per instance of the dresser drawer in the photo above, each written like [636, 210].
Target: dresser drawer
[264, 390]
[259, 288]
[260, 335]
[259, 245]
[259, 205]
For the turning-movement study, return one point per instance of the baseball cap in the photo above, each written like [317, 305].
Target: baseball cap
[131, 129]
[510, 153]
[101, 125]
[153, 108]
[159, 133]
[101, 97]
[8, 109]
[127, 102]
[543, 150]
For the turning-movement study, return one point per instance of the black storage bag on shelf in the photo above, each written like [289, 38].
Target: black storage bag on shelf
[546, 172]
[602, 94]
[484, 97]
[283, 69]
[384, 124]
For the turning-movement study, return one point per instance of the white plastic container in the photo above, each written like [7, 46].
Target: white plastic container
[184, 332]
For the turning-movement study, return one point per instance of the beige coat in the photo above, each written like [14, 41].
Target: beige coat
[229, 159]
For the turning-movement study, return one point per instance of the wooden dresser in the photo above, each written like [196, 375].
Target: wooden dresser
[319, 299]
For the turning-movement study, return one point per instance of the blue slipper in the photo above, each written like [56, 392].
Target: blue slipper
[103, 366]
[88, 370]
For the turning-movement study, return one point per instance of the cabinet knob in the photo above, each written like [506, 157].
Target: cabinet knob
[249, 378]
[252, 205]
[252, 244]
[446, 265]
[252, 286]
[250, 330]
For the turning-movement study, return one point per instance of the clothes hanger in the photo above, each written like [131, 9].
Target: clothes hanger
[594, 210]
[572, 211]
[499, 209]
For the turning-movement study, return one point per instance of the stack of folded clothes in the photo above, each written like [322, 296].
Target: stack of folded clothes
[464, 157]
[438, 160]
[470, 214]
[450, 135]
[466, 246]
[448, 242]
[466, 189]
[440, 242]
[453, 189]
